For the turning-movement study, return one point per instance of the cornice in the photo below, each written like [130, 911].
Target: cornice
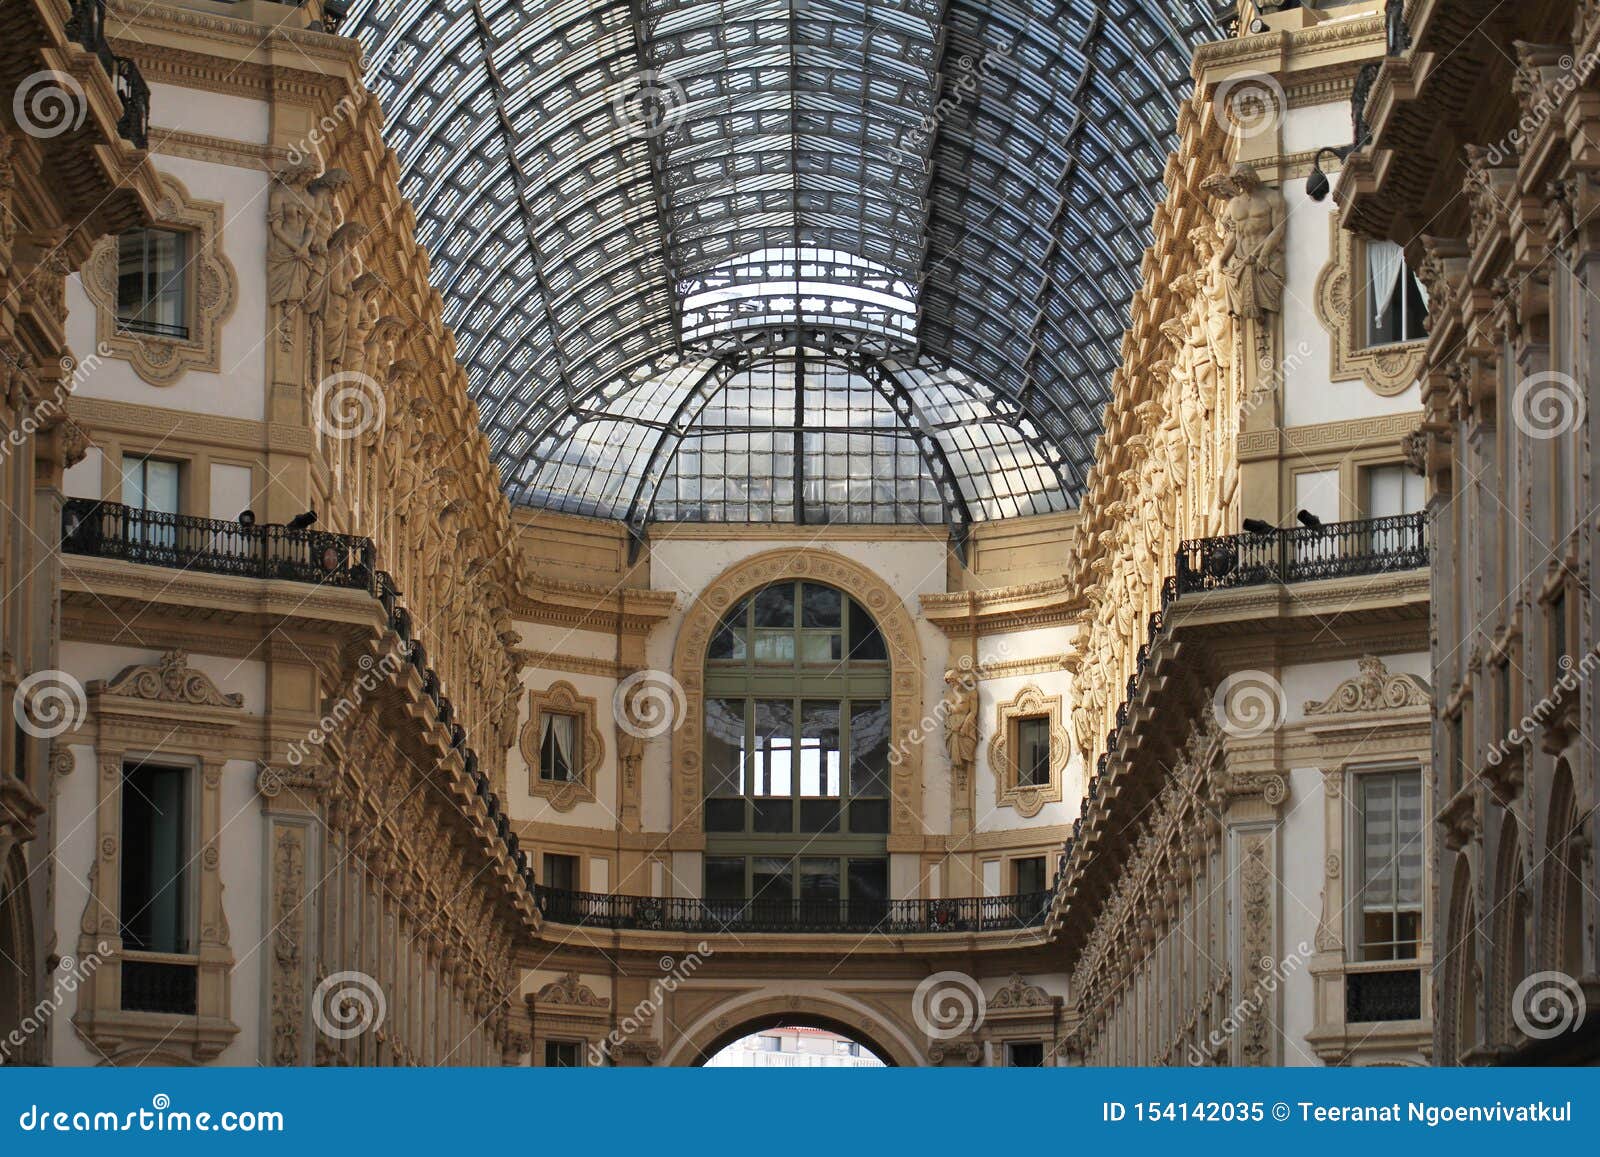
[1327, 437]
[555, 602]
[1050, 602]
[183, 427]
[218, 150]
[569, 664]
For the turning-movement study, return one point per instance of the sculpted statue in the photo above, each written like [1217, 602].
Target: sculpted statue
[1213, 295]
[337, 294]
[291, 238]
[1251, 257]
[630, 752]
[961, 724]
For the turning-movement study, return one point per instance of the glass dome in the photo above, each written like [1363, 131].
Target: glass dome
[820, 260]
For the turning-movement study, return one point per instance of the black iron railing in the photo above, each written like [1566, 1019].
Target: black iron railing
[1397, 33]
[892, 917]
[214, 546]
[1301, 553]
[1360, 129]
[1377, 996]
[87, 27]
[157, 986]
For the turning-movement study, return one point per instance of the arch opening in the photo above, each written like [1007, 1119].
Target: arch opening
[794, 1040]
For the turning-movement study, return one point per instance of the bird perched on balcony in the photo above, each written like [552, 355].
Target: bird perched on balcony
[303, 521]
[1308, 520]
[1257, 526]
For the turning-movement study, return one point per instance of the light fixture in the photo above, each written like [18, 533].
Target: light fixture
[247, 518]
[1317, 184]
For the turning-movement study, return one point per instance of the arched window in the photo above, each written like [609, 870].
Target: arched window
[796, 757]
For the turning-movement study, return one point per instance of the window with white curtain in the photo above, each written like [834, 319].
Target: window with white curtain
[1393, 489]
[1388, 857]
[1396, 303]
[558, 747]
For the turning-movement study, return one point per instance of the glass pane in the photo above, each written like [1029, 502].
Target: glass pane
[725, 878]
[1029, 875]
[155, 856]
[821, 606]
[773, 815]
[774, 760]
[770, 880]
[869, 890]
[725, 815]
[866, 644]
[774, 646]
[819, 748]
[1378, 841]
[869, 816]
[869, 748]
[821, 646]
[558, 752]
[161, 486]
[1033, 751]
[168, 258]
[729, 640]
[775, 606]
[819, 890]
[819, 815]
[724, 747]
[561, 871]
[130, 274]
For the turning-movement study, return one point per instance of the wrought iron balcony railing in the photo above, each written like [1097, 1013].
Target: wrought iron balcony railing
[891, 917]
[1301, 553]
[214, 546]
[87, 26]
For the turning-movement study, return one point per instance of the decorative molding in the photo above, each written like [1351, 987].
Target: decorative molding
[1018, 995]
[1327, 437]
[1029, 702]
[1387, 370]
[212, 289]
[169, 680]
[569, 990]
[562, 698]
[1374, 689]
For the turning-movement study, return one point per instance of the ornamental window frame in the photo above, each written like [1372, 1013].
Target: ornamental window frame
[562, 698]
[1004, 747]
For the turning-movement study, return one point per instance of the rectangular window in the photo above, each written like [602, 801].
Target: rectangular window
[1028, 875]
[724, 877]
[151, 282]
[819, 749]
[1391, 490]
[1033, 751]
[155, 858]
[1397, 306]
[1025, 1054]
[1389, 860]
[558, 747]
[772, 886]
[868, 880]
[150, 489]
[819, 890]
[560, 872]
[560, 1054]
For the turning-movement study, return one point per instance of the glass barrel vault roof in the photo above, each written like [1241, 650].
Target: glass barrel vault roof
[780, 260]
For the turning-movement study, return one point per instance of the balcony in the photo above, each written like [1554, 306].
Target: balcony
[890, 917]
[214, 546]
[1371, 546]
[87, 27]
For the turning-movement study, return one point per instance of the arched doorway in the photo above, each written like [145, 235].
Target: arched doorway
[789, 1032]
[16, 960]
[789, 1044]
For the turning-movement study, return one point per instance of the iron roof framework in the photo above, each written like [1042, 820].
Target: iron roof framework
[694, 250]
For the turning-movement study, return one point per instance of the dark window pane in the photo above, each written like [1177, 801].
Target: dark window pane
[725, 815]
[774, 815]
[771, 881]
[1029, 875]
[561, 872]
[775, 606]
[155, 857]
[560, 1054]
[869, 816]
[869, 890]
[729, 640]
[1025, 1054]
[866, 644]
[869, 748]
[819, 815]
[724, 747]
[725, 878]
[1033, 751]
[821, 606]
[819, 890]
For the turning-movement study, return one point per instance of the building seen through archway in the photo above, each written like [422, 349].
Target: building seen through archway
[752, 533]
